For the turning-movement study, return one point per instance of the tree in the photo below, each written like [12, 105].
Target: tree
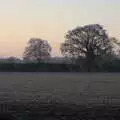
[13, 60]
[37, 50]
[116, 46]
[88, 42]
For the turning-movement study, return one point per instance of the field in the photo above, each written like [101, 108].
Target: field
[61, 93]
[76, 88]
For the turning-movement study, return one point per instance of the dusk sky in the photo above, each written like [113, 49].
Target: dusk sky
[21, 20]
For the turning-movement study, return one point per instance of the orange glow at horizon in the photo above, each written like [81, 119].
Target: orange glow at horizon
[49, 20]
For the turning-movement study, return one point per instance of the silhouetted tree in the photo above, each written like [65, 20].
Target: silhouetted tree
[89, 42]
[116, 46]
[37, 50]
[13, 59]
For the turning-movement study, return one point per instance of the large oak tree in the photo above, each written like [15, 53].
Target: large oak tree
[88, 42]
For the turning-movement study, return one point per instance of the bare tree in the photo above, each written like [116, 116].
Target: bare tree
[37, 50]
[89, 42]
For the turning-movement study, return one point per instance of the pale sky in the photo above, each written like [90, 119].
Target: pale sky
[21, 20]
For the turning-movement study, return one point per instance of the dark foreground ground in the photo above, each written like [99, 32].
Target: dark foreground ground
[57, 111]
[59, 96]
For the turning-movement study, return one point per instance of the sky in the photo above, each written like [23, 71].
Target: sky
[50, 20]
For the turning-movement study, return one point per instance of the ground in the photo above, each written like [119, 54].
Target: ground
[63, 94]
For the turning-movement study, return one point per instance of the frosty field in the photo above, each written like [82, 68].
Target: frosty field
[77, 88]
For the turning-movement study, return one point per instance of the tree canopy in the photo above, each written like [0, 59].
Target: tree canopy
[89, 42]
[37, 50]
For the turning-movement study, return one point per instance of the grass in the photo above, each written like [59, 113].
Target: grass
[61, 95]
[62, 87]
[36, 111]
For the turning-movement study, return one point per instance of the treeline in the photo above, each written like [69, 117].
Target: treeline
[38, 67]
[87, 48]
[112, 66]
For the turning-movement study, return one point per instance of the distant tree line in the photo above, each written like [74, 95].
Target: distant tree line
[38, 67]
[89, 48]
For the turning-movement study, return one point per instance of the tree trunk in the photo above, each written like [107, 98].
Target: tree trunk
[90, 61]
